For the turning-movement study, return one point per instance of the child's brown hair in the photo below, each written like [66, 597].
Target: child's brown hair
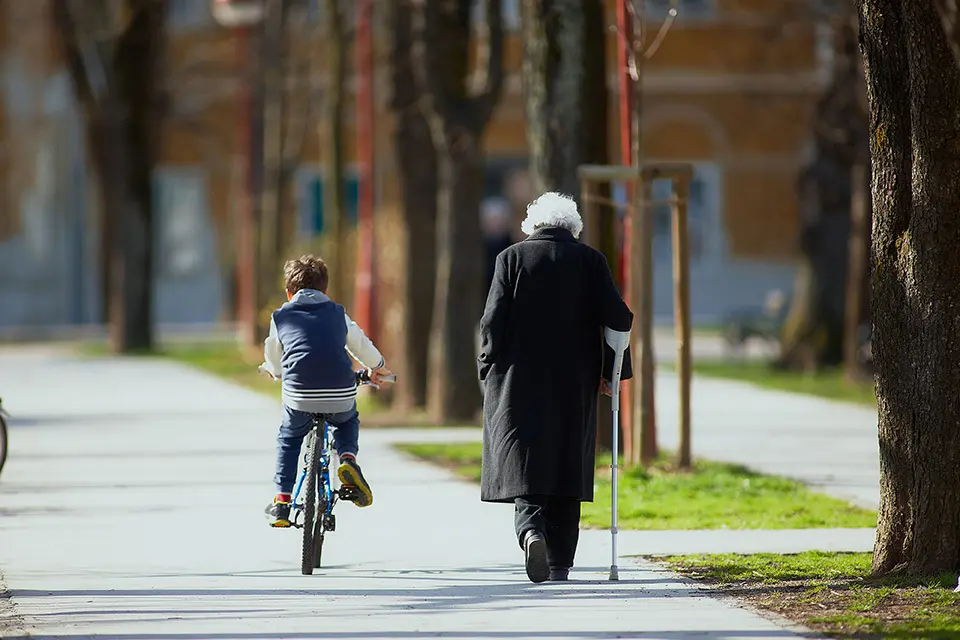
[306, 272]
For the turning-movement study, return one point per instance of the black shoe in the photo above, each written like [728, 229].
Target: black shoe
[278, 514]
[351, 476]
[535, 552]
[559, 575]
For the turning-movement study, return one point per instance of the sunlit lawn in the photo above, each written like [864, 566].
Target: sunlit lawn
[713, 495]
[829, 383]
[832, 593]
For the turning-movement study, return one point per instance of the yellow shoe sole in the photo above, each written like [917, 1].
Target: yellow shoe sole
[349, 477]
[280, 524]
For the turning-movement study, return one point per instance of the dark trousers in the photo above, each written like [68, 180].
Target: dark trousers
[557, 518]
[294, 428]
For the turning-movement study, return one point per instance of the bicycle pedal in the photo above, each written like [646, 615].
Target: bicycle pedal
[330, 522]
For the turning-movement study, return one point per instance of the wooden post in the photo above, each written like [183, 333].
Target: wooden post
[589, 210]
[644, 438]
[626, 101]
[681, 308]
[642, 280]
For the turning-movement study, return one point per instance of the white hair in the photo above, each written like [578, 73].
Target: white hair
[553, 209]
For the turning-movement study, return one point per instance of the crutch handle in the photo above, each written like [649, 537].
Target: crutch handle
[618, 341]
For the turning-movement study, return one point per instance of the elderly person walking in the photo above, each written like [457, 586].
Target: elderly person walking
[543, 362]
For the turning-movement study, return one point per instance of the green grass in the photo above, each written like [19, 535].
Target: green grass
[833, 593]
[829, 384]
[712, 496]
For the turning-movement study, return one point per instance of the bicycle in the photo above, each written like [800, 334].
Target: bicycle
[315, 495]
[3, 436]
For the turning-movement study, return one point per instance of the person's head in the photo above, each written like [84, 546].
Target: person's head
[306, 272]
[553, 209]
[495, 217]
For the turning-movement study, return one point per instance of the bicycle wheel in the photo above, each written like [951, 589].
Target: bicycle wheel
[310, 515]
[3, 442]
[318, 534]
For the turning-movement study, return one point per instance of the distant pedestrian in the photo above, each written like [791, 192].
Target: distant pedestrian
[495, 224]
[542, 363]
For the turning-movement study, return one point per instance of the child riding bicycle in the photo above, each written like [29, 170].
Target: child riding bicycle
[309, 348]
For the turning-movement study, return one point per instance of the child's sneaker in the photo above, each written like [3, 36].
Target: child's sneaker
[350, 475]
[278, 512]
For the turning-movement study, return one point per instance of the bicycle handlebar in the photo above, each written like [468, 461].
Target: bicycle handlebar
[363, 377]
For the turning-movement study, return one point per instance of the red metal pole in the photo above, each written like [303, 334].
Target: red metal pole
[365, 124]
[625, 36]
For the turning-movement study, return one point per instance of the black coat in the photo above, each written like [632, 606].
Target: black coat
[542, 357]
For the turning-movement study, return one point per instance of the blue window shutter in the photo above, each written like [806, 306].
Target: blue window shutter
[316, 205]
[352, 198]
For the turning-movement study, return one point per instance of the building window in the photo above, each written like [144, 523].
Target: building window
[703, 223]
[188, 15]
[316, 10]
[658, 9]
[183, 218]
[311, 220]
[509, 12]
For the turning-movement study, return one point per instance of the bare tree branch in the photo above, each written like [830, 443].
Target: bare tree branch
[65, 24]
[492, 60]
[949, 11]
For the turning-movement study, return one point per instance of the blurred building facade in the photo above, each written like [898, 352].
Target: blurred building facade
[730, 89]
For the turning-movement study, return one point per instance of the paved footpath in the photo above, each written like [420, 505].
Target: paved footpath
[827, 444]
[131, 504]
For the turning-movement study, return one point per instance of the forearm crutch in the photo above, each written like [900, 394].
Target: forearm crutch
[618, 341]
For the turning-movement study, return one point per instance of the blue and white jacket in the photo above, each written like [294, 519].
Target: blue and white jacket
[309, 347]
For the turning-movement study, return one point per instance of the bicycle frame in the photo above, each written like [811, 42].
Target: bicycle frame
[325, 488]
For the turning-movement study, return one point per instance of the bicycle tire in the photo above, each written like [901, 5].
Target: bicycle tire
[310, 516]
[318, 535]
[3, 442]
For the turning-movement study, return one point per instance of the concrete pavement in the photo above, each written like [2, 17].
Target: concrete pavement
[829, 445]
[131, 508]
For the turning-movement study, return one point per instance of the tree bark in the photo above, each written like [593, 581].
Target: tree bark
[456, 119]
[273, 65]
[913, 86]
[122, 107]
[417, 168]
[565, 97]
[335, 229]
[813, 337]
[949, 11]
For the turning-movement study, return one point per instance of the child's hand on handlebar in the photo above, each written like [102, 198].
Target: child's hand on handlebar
[381, 375]
[262, 369]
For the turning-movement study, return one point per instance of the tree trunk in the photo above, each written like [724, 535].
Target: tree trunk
[335, 228]
[454, 394]
[456, 118]
[417, 167]
[536, 18]
[950, 17]
[122, 109]
[565, 96]
[813, 336]
[913, 86]
[273, 76]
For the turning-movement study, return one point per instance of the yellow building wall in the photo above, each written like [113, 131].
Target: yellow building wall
[735, 89]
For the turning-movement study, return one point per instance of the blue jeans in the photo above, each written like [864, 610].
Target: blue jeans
[295, 427]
